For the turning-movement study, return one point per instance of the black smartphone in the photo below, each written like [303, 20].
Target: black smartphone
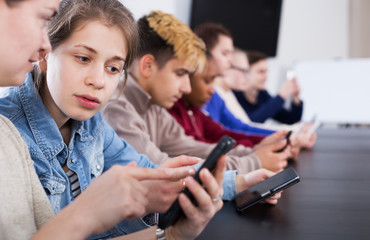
[287, 137]
[266, 188]
[225, 144]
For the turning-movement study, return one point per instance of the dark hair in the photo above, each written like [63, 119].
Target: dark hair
[255, 56]
[73, 13]
[209, 33]
[151, 43]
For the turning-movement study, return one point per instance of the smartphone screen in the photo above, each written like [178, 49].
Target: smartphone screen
[266, 188]
[225, 144]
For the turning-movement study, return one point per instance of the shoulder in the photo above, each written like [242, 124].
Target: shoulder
[11, 142]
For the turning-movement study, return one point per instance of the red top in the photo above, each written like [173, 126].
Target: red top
[204, 128]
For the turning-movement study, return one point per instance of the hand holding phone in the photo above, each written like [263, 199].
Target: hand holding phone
[225, 144]
[266, 188]
[287, 137]
[314, 128]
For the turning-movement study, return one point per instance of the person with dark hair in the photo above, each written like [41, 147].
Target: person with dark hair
[219, 43]
[139, 114]
[92, 42]
[259, 104]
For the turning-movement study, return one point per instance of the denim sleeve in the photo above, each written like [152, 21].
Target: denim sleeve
[229, 185]
[118, 151]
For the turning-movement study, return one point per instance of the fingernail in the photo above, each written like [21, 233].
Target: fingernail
[191, 171]
[196, 158]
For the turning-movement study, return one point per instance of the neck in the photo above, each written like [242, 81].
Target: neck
[251, 95]
[220, 81]
[62, 121]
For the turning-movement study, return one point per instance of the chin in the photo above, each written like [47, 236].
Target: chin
[82, 117]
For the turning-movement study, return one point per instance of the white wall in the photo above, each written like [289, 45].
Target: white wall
[309, 30]
[180, 8]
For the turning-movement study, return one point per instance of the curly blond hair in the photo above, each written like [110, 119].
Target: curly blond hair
[186, 45]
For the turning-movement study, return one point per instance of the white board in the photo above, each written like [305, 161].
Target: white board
[337, 91]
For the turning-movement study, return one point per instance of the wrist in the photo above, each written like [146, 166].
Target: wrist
[240, 183]
[169, 234]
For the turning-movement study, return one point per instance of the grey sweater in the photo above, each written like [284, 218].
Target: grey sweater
[151, 130]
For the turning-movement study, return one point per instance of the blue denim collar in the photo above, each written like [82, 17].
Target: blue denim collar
[51, 142]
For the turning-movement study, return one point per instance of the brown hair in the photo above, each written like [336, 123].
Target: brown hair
[165, 37]
[255, 56]
[209, 33]
[73, 13]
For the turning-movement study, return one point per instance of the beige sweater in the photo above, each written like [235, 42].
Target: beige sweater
[151, 130]
[24, 206]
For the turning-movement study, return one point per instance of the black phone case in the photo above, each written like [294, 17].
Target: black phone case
[225, 144]
[267, 188]
[287, 141]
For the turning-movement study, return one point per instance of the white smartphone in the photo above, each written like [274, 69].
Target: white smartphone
[313, 129]
[297, 131]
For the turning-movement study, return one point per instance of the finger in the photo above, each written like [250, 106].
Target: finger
[210, 184]
[266, 173]
[175, 174]
[180, 161]
[278, 145]
[158, 173]
[220, 170]
[201, 196]
[187, 206]
[277, 135]
[284, 164]
[271, 201]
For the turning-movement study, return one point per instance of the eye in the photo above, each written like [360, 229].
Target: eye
[113, 70]
[180, 73]
[208, 80]
[83, 59]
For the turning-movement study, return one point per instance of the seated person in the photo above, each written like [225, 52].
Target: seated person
[56, 109]
[187, 111]
[259, 104]
[219, 44]
[24, 206]
[158, 78]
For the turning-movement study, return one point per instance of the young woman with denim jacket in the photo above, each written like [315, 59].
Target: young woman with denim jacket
[58, 119]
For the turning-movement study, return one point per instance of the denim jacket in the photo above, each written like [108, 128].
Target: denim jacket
[94, 147]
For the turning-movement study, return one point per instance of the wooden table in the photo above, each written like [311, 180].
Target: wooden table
[332, 201]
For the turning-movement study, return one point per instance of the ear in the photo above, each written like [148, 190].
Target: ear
[147, 64]
[42, 63]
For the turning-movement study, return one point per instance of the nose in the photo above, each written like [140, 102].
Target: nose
[186, 86]
[44, 47]
[45, 43]
[211, 90]
[95, 78]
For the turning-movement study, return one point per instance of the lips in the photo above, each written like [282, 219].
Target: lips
[88, 101]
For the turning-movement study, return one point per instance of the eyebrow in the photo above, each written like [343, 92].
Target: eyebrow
[90, 49]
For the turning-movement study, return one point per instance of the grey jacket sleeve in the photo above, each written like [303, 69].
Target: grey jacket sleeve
[128, 124]
[242, 159]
